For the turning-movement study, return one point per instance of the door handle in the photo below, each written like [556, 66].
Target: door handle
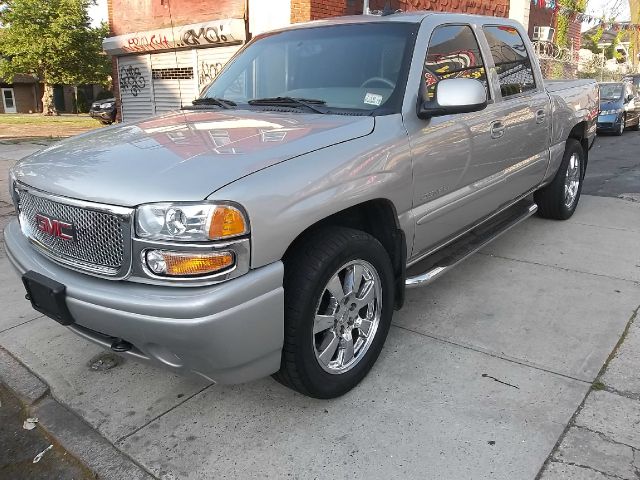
[541, 116]
[497, 129]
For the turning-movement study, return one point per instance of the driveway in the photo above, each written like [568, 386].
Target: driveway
[480, 377]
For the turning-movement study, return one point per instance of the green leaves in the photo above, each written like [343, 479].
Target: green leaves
[52, 39]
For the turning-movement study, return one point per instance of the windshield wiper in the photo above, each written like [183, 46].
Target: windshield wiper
[220, 102]
[309, 103]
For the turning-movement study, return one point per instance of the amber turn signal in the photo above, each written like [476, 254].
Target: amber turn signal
[226, 222]
[187, 264]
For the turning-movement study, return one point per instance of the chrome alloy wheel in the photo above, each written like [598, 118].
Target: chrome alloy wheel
[347, 317]
[572, 181]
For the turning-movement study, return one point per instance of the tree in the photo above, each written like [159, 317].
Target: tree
[54, 41]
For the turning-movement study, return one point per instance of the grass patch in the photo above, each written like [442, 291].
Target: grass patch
[598, 386]
[37, 119]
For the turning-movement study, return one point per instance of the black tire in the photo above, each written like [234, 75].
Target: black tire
[308, 269]
[620, 131]
[551, 198]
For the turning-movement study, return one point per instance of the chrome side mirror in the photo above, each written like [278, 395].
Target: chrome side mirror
[454, 95]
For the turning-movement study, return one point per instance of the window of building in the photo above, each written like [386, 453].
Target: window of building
[453, 53]
[512, 61]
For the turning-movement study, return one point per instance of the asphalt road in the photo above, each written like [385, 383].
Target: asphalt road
[614, 167]
[19, 448]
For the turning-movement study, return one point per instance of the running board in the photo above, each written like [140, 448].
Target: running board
[432, 267]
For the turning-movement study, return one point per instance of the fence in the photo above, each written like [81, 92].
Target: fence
[565, 62]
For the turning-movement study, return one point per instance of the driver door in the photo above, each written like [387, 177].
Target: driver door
[453, 154]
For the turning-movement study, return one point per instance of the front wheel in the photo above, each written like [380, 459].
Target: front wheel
[559, 199]
[623, 122]
[338, 308]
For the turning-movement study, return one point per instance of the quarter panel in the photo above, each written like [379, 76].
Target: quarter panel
[284, 200]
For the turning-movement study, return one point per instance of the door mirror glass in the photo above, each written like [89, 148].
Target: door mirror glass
[629, 98]
[454, 95]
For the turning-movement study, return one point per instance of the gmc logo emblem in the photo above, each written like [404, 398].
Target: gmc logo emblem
[55, 228]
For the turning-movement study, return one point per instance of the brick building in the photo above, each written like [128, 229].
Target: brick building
[22, 95]
[166, 51]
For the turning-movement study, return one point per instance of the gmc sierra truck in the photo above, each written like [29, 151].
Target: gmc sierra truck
[272, 227]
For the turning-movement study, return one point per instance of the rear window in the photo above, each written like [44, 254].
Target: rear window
[511, 58]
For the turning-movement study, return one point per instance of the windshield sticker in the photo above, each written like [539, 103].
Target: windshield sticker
[373, 99]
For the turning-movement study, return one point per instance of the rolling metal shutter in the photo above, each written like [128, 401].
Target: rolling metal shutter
[136, 87]
[174, 80]
[161, 82]
[210, 61]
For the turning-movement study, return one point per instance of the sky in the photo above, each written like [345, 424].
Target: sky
[98, 12]
[620, 8]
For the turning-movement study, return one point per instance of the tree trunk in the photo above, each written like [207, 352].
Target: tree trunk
[48, 105]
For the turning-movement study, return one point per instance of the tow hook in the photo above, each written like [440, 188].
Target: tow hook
[120, 346]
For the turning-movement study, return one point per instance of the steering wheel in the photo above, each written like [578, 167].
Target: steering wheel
[379, 80]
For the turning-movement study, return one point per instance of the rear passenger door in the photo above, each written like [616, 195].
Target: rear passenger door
[524, 112]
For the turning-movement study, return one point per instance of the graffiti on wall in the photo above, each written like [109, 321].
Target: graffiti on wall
[207, 72]
[131, 80]
[204, 36]
[217, 33]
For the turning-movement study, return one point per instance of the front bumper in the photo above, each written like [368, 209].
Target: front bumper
[106, 115]
[228, 333]
[608, 123]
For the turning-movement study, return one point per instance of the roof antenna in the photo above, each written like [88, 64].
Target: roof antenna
[387, 9]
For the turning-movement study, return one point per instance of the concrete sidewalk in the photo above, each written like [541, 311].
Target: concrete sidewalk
[486, 374]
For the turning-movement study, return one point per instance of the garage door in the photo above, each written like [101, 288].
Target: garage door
[210, 61]
[174, 81]
[161, 82]
[135, 87]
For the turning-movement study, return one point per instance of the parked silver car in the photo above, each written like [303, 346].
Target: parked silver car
[273, 227]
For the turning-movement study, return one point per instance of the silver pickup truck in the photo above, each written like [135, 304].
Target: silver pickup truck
[273, 226]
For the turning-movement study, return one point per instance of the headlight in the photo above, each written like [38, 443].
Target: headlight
[107, 105]
[13, 186]
[612, 112]
[188, 222]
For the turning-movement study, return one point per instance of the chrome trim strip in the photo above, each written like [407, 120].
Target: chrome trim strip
[74, 202]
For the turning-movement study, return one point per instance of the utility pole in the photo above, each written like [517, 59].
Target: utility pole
[365, 7]
[634, 10]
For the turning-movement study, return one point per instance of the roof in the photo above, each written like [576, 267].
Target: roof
[608, 35]
[21, 78]
[402, 17]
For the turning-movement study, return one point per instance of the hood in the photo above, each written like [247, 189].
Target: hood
[611, 105]
[181, 156]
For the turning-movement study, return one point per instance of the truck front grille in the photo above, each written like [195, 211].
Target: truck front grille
[101, 238]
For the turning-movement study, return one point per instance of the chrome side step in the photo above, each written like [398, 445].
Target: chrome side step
[440, 262]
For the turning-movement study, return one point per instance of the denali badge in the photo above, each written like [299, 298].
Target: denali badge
[55, 228]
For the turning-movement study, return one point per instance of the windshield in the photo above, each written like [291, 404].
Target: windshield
[611, 92]
[358, 67]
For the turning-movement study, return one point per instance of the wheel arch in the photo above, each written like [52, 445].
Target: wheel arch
[579, 133]
[379, 219]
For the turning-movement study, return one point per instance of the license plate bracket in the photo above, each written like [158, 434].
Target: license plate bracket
[47, 297]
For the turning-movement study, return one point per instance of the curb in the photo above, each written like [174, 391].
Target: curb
[69, 430]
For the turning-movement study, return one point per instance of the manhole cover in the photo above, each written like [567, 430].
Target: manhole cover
[104, 361]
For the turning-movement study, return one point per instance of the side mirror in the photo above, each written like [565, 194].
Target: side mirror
[629, 98]
[453, 95]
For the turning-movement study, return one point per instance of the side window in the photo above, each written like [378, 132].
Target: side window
[512, 61]
[453, 53]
